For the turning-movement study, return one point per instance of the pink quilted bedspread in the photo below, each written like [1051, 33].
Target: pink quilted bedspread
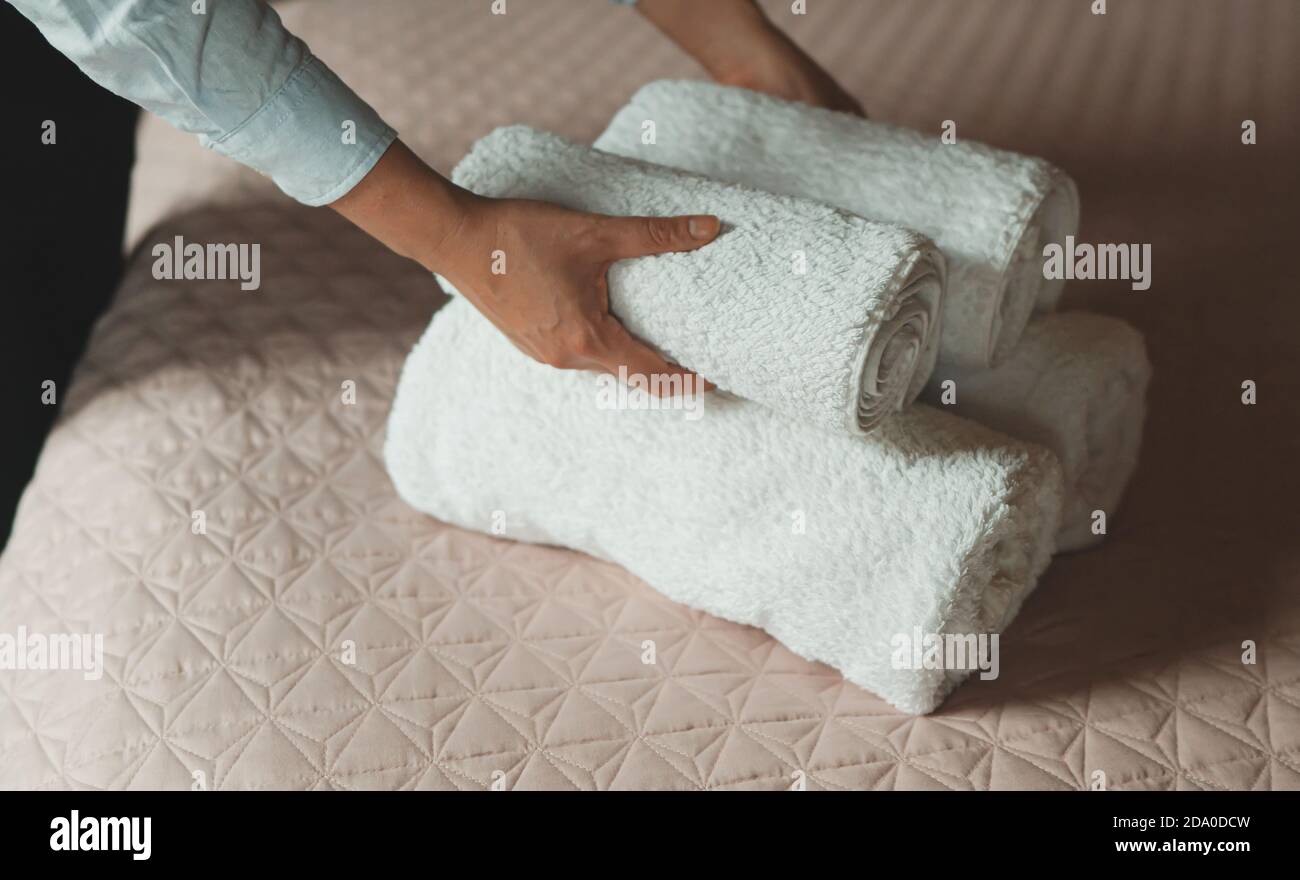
[318, 633]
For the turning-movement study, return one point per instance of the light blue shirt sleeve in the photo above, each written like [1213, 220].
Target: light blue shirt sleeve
[232, 75]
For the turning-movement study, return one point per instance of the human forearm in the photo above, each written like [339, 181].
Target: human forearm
[410, 208]
[719, 34]
[736, 43]
[231, 74]
[552, 302]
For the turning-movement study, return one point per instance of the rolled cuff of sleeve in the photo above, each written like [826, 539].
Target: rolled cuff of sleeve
[314, 137]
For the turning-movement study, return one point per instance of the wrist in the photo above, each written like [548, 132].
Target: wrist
[444, 245]
[722, 35]
[741, 56]
[409, 207]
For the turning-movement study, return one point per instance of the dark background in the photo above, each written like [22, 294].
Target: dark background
[65, 207]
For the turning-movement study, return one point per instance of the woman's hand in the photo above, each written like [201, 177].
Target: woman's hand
[738, 46]
[538, 271]
[535, 270]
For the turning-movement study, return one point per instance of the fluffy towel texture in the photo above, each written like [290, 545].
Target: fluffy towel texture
[1076, 384]
[990, 211]
[810, 310]
[835, 544]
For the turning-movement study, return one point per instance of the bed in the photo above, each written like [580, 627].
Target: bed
[215, 504]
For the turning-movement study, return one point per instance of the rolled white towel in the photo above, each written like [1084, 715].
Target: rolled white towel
[990, 211]
[838, 545]
[1076, 384]
[805, 308]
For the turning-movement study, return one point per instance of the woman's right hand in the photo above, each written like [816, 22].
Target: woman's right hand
[538, 272]
[535, 270]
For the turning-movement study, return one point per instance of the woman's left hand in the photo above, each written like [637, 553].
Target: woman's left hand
[739, 46]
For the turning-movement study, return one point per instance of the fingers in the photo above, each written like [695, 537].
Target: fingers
[628, 237]
[623, 355]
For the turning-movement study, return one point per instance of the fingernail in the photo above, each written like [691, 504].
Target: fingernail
[700, 227]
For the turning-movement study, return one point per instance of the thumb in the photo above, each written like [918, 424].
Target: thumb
[643, 236]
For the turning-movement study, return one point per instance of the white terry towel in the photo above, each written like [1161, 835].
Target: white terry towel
[810, 310]
[990, 211]
[838, 545]
[1076, 384]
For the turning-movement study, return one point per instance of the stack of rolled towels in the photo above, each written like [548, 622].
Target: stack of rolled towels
[905, 431]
